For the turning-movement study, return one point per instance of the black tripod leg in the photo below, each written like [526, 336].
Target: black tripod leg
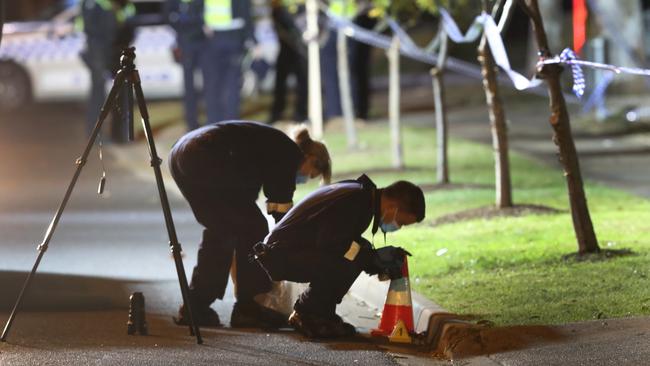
[169, 222]
[106, 108]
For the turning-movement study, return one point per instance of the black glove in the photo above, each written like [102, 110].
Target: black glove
[277, 216]
[388, 261]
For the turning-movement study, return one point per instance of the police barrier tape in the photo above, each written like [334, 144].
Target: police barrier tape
[408, 49]
[597, 97]
[483, 23]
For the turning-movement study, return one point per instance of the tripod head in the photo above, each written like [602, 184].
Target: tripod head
[127, 57]
[127, 66]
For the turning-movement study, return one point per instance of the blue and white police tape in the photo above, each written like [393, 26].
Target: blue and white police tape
[377, 40]
[578, 76]
[401, 34]
[595, 65]
[597, 97]
[486, 23]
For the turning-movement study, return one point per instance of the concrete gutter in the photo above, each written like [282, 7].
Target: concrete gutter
[429, 318]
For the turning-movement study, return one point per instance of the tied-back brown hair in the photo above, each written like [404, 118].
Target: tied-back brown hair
[317, 149]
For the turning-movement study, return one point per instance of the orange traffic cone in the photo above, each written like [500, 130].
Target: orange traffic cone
[397, 318]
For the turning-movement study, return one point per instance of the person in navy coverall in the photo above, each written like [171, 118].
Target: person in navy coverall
[319, 241]
[220, 169]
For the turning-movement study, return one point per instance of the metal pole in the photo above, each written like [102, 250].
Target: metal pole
[393, 105]
[344, 86]
[437, 75]
[313, 52]
[80, 162]
[600, 55]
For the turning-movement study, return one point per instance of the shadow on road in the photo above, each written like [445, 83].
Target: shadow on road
[58, 292]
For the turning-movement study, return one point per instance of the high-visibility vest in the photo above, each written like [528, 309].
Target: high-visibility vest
[218, 15]
[292, 5]
[343, 8]
[124, 13]
[121, 14]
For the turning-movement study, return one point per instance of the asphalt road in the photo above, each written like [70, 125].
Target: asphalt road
[106, 247]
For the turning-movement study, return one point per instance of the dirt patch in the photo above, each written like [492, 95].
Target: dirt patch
[452, 186]
[603, 254]
[353, 174]
[460, 340]
[490, 212]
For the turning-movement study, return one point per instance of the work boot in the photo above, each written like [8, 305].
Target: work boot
[203, 317]
[314, 326]
[250, 314]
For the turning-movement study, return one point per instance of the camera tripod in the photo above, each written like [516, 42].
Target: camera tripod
[126, 80]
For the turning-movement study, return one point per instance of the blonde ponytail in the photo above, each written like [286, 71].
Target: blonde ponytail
[317, 149]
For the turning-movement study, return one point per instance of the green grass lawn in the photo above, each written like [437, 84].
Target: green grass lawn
[508, 270]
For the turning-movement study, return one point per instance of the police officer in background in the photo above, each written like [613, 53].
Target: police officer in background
[186, 17]
[228, 26]
[360, 63]
[292, 59]
[319, 241]
[329, 69]
[220, 169]
[105, 25]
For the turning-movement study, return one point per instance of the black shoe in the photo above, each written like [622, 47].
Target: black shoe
[250, 314]
[203, 317]
[314, 326]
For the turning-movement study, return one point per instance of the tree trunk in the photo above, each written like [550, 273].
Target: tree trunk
[583, 227]
[557, 32]
[442, 133]
[394, 105]
[499, 129]
[498, 126]
[442, 172]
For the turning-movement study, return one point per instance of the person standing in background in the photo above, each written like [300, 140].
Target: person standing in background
[186, 17]
[104, 23]
[228, 26]
[291, 60]
[360, 64]
[329, 63]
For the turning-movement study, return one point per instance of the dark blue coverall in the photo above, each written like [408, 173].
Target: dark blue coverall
[222, 62]
[310, 243]
[220, 169]
[186, 17]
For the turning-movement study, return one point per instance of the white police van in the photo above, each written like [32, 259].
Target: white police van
[39, 60]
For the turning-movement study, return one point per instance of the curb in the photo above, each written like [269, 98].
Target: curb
[430, 319]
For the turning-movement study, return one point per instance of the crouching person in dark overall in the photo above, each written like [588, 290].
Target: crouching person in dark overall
[220, 169]
[319, 241]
